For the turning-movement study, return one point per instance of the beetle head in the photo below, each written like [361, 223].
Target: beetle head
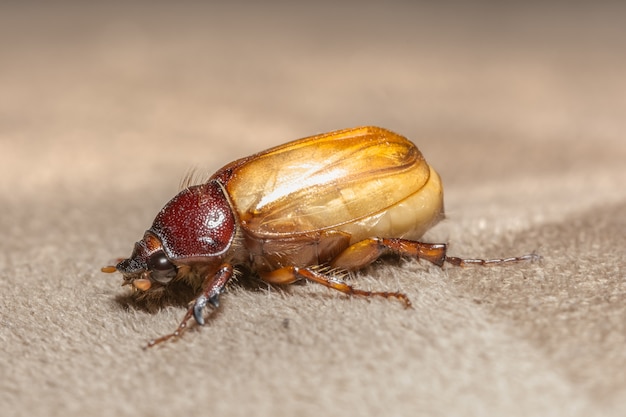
[190, 234]
[147, 265]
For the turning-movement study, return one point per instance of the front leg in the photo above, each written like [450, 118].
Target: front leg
[212, 288]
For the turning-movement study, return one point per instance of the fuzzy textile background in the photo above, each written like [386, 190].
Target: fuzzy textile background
[521, 109]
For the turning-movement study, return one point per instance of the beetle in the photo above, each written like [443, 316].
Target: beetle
[310, 209]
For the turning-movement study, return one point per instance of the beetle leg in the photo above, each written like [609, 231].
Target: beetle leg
[366, 251]
[290, 274]
[532, 257]
[212, 291]
[213, 287]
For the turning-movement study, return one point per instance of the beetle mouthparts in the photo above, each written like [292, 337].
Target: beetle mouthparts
[142, 284]
[108, 269]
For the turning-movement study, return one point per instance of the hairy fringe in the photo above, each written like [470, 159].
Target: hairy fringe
[193, 176]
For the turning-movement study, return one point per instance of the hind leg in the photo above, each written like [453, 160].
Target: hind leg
[367, 251]
[363, 253]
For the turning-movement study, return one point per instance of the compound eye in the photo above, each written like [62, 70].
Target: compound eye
[162, 270]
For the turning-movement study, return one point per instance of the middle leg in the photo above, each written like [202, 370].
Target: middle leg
[291, 274]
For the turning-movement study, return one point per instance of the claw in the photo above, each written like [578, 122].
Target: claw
[198, 306]
[214, 300]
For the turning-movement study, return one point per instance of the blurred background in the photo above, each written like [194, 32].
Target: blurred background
[94, 87]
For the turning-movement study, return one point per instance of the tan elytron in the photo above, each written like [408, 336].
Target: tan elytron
[365, 181]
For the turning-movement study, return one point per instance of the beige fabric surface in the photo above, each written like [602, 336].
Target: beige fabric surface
[521, 109]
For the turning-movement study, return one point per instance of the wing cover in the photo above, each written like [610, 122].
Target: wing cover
[325, 181]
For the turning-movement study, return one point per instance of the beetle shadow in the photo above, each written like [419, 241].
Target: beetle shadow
[180, 294]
